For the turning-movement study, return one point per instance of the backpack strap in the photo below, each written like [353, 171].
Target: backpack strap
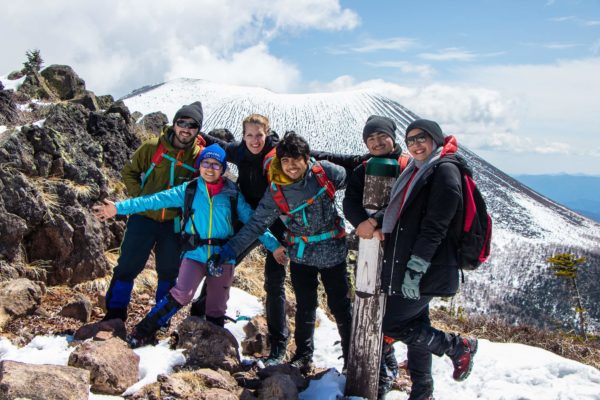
[321, 176]
[267, 161]
[279, 198]
[337, 233]
[403, 161]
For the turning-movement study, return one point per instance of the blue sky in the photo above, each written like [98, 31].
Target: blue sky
[516, 81]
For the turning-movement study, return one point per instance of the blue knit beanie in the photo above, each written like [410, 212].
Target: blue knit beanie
[215, 152]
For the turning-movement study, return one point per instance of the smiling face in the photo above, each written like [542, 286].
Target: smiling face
[380, 144]
[254, 137]
[210, 170]
[186, 130]
[294, 167]
[419, 144]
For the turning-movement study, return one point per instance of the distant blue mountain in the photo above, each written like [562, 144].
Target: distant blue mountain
[580, 193]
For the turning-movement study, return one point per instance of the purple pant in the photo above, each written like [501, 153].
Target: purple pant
[191, 274]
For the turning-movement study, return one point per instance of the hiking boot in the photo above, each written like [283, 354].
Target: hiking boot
[303, 363]
[462, 359]
[276, 355]
[388, 370]
[135, 339]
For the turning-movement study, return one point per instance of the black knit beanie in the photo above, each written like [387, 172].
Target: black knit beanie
[193, 111]
[430, 127]
[376, 123]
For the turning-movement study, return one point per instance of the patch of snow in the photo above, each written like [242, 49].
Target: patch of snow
[11, 84]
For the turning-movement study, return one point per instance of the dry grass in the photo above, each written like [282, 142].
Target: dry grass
[558, 342]
[37, 269]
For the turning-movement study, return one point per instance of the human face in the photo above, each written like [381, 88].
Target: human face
[184, 136]
[294, 167]
[420, 151]
[380, 144]
[254, 137]
[210, 174]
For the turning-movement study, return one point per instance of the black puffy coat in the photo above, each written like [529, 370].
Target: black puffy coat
[430, 227]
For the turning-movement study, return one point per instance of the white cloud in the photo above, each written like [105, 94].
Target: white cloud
[449, 54]
[422, 70]
[117, 45]
[560, 46]
[396, 43]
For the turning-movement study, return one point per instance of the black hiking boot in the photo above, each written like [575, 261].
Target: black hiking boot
[276, 355]
[388, 370]
[219, 321]
[115, 313]
[462, 359]
[303, 363]
[145, 332]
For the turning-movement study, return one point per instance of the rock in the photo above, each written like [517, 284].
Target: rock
[16, 75]
[197, 384]
[114, 136]
[112, 364]
[222, 133]
[154, 122]
[12, 231]
[256, 343]
[279, 387]
[105, 101]
[80, 309]
[115, 327]
[20, 297]
[136, 115]
[88, 100]
[41, 382]
[119, 107]
[9, 114]
[284, 369]
[63, 81]
[207, 345]
[35, 86]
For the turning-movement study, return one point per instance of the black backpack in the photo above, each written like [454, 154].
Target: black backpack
[476, 235]
[192, 241]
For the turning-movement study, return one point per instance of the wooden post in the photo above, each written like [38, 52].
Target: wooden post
[362, 377]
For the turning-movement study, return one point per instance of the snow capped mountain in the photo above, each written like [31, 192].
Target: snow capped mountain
[528, 227]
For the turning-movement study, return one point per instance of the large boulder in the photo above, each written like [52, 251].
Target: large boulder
[279, 387]
[19, 297]
[63, 81]
[207, 345]
[42, 382]
[9, 114]
[35, 86]
[88, 100]
[112, 364]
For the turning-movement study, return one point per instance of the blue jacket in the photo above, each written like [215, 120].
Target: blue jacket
[212, 217]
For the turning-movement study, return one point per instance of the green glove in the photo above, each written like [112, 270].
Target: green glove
[415, 269]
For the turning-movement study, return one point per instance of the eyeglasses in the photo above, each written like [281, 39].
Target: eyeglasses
[209, 165]
[418, 138]
[187, 124]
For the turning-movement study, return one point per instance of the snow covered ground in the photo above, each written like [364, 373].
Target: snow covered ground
[503, 371]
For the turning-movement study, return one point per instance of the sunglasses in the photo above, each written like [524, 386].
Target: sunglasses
[418, 138]
[187, 124]
[209, 165]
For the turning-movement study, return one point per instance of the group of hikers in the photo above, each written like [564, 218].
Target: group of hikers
[185, 208]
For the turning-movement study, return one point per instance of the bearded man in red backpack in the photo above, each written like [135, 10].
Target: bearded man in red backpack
[158, 164]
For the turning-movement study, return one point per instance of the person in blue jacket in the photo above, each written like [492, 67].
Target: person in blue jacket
[212, 221]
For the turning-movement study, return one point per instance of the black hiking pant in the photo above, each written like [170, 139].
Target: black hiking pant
[305, 280]
[408, 321]
[274, 288]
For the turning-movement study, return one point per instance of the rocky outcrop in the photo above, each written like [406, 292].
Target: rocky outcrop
[278, 387]
[63, 81]
[112, 364]
[49, 178]
[9, 113]
[19, 297]
[207, 345]
[42, 382]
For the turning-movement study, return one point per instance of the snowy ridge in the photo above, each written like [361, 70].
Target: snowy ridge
[528, 227]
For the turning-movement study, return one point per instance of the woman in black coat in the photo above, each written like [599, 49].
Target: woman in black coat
[422, 226]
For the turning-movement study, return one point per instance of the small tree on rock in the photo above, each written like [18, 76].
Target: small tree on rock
[34, 61]
[566, 265]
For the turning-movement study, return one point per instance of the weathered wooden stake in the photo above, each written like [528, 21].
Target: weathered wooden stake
[362, 377]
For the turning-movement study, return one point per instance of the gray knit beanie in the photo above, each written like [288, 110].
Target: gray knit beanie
[377, 123]
[428, 126]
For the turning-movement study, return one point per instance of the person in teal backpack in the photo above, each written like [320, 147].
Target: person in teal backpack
[208, 228]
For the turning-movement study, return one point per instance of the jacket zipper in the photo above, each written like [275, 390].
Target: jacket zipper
[393, 262]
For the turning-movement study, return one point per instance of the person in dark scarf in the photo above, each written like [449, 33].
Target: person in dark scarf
[421, 227]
